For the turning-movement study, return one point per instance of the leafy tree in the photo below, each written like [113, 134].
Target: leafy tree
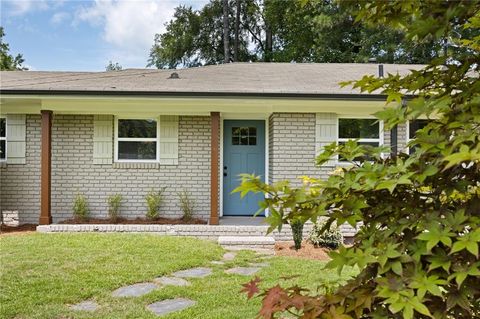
[113, 66]
[418, 249]
[196, 37]
[8, 61]
[281, 31]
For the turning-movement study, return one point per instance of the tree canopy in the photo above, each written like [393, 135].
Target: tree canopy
[113, 66]
[282, 31]
[7, 60]
[417, 250]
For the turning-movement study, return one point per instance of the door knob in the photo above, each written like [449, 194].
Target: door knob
[224, 171]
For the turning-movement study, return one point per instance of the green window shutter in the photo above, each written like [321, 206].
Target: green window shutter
[16, 138]
[169, 140]
[326, 133]
[102, 139]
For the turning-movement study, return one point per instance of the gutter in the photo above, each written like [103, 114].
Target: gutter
[321, 96]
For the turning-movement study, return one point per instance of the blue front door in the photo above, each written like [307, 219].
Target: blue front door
[243, 152]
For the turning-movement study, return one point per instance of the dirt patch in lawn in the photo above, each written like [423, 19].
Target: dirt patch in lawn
[308, 250]
[22, 229]
[160, 220]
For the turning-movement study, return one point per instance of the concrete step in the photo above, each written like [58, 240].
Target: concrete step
[247, 242]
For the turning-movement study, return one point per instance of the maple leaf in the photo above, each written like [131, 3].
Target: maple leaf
[271, 302]
[251, 287]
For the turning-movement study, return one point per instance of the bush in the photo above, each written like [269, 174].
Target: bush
[187, 204]
[114, 202]
[417, 251]
[80, 207]
[154, 201]
[297, 232]
[329, 238]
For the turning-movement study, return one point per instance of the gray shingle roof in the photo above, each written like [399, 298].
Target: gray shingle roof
[275, 78]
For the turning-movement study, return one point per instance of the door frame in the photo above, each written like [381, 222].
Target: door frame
[246, 117]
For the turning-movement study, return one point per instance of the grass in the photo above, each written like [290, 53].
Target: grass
[41, 274]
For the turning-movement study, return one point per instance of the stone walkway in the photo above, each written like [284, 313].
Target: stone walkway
[167, 306]
[164, 307]
[135, 290]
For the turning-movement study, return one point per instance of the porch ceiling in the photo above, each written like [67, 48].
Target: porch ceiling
[124, 105]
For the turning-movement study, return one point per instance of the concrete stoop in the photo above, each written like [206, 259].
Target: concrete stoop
[240, 242]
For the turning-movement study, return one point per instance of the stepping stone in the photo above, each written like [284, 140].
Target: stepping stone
[217, 262]
[135, 290]
[229, 256]
[259, 264]
[244, 271]
[171, 281]
[85, 306]
[198, 272]
[164, 307]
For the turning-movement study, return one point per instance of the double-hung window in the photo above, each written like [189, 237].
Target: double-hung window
[3, 139]
[137, 140]
[366, 131]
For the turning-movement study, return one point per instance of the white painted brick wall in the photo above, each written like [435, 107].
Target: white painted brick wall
[292, 154]
[73, 171]
[292, 147]
[20, 183]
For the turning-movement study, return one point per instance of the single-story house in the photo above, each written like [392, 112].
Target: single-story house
[130, 131]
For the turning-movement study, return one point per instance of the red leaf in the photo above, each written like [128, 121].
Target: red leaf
[251, 287]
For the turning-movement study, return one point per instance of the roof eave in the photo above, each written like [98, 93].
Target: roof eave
[320, 96]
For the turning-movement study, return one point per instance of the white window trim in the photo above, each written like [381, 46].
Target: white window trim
[380, 138]
[125, 139]
[4, 139]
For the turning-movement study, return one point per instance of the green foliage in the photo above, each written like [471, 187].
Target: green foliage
[114, 202]
[187, 204]
[9, 62]
[80, 207]
[327, 237]
[154, 200]
[195, 37]
[297, 232]
[417, 250]
[285, 31]
[113, 66]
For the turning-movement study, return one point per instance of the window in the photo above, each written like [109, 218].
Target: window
[244, 136]
[367, 131]
[137, 140]
[413, 127]
[3, 139]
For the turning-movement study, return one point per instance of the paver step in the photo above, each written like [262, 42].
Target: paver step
[251, 241]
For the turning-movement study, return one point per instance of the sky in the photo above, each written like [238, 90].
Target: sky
[81, 35]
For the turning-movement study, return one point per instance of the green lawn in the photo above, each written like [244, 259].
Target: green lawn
[41, 274]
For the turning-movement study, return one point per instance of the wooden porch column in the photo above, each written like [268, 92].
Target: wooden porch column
[46, 169]
[215, 154]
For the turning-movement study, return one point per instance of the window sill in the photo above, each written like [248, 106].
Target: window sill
[136, 165]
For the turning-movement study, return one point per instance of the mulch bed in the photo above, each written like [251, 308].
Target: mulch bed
[160, 221]
[308, 250]
[10, 230]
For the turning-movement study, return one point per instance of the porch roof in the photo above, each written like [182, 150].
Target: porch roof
[226, 79]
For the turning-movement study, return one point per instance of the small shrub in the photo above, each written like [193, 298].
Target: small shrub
[114, 202]
[187, 204]
[297, 232]
[331, 238]
[80, 207]
[154, 201]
